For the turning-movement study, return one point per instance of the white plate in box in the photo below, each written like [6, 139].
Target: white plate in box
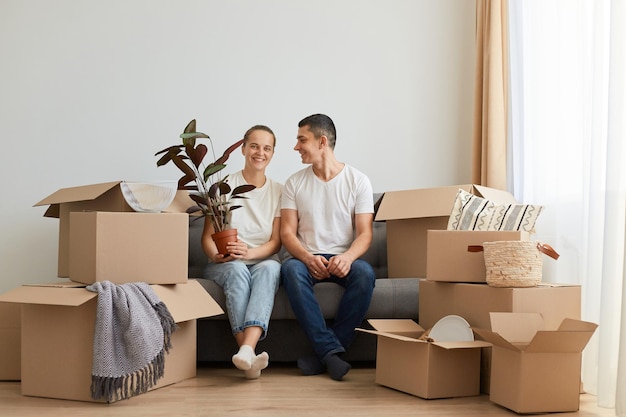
[451, 328]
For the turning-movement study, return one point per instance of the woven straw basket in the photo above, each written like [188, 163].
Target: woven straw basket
[515, 263]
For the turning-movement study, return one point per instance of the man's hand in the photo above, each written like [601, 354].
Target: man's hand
[339, 265]
[318, 267]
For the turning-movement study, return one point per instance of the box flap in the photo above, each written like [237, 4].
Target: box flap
[80, 193]
[463, 345]
[187, 301]
[48, 295]
[495, 339]
[557, 341]
[403, 337]
[516, 327]
[577, 325]
[396, 326]
[425, 202]
[497, 196]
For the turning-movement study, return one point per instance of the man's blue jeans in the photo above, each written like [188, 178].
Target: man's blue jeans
[249, 291]
[358, 285]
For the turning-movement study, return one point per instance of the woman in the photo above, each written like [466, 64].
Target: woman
[250, 274]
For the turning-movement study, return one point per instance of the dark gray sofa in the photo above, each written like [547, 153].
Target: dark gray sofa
[285, 342]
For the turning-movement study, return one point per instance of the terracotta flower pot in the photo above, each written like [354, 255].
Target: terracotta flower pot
[222, 238]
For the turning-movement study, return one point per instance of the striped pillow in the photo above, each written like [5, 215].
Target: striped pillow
[470, 212]
[515, 217]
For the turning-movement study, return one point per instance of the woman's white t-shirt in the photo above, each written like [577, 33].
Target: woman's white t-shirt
[254, 219]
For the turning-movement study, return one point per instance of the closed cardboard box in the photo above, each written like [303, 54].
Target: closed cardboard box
[129, 247]
[58, 329]
[427, 369]
[534, 370]
[409, 215]
[475, 302]
[10, 334]
[450, 258]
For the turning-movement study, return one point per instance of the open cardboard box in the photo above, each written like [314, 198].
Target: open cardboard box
[427, 369]
[129, 247]
[94, 197]
[10, 334]
[449, 259]
[534, 370]
[475, 302]
[409, 214]
[58, 328]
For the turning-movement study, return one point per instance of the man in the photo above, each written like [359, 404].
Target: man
[326, 225]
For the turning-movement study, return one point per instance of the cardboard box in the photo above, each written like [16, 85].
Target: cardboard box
[475, 302]
[448, 258]
[410, 214]
[424, 368]
[535, 370]
[58, 328]
[10, 333]
[94, 197]
[128, 247]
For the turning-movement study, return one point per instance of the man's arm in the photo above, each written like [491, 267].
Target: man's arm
[288, 234]
[339, 265]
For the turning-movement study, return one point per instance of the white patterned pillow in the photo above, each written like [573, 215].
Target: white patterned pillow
[515, 217]
[470, 212]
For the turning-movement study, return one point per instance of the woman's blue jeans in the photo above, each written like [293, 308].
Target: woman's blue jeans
[249, 291]
[358, 285]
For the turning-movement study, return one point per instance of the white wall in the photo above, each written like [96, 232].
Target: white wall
[90, 90]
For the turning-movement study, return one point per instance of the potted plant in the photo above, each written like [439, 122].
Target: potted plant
[207, 187]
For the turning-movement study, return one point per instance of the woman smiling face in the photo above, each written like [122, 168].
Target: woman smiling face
[258, 148]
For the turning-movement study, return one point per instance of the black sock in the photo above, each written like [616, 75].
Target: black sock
[337, 367]
[311, 365]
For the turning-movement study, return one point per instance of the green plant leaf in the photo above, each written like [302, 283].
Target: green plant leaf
[191, 126]
[212, 169]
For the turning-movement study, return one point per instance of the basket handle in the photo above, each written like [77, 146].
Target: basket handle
[548, 250]
[542, 247]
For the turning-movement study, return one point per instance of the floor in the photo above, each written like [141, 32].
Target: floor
[281, 391]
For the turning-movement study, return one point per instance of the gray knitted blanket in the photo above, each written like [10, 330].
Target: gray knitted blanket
[132, 336]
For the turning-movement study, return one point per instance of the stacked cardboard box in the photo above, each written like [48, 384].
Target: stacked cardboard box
[101, 239]
[454, 279]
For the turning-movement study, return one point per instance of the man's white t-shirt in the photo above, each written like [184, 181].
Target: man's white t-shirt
[254, 219]
[326, 210]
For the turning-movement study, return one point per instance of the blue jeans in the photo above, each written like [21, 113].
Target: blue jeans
[249, 291]
[358, 285]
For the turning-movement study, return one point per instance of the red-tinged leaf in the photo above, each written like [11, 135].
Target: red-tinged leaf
[184, 180]
[228, 151]
[243, 189]
[240, 196]
[171, 149]
[182, 165]
[198, 199]
[213, 190]
[197, 154]
[192, 210]
[224, 188]
[234, 207]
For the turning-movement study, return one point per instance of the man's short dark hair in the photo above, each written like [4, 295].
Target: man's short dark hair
[321, 125]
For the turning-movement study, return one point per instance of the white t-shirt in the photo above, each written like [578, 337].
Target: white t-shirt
[254, 219]
[326, 210]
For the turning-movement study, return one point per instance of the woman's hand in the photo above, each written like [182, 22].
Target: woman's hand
[237, 250]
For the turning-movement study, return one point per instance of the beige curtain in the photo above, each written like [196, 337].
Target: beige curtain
[490, 95]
